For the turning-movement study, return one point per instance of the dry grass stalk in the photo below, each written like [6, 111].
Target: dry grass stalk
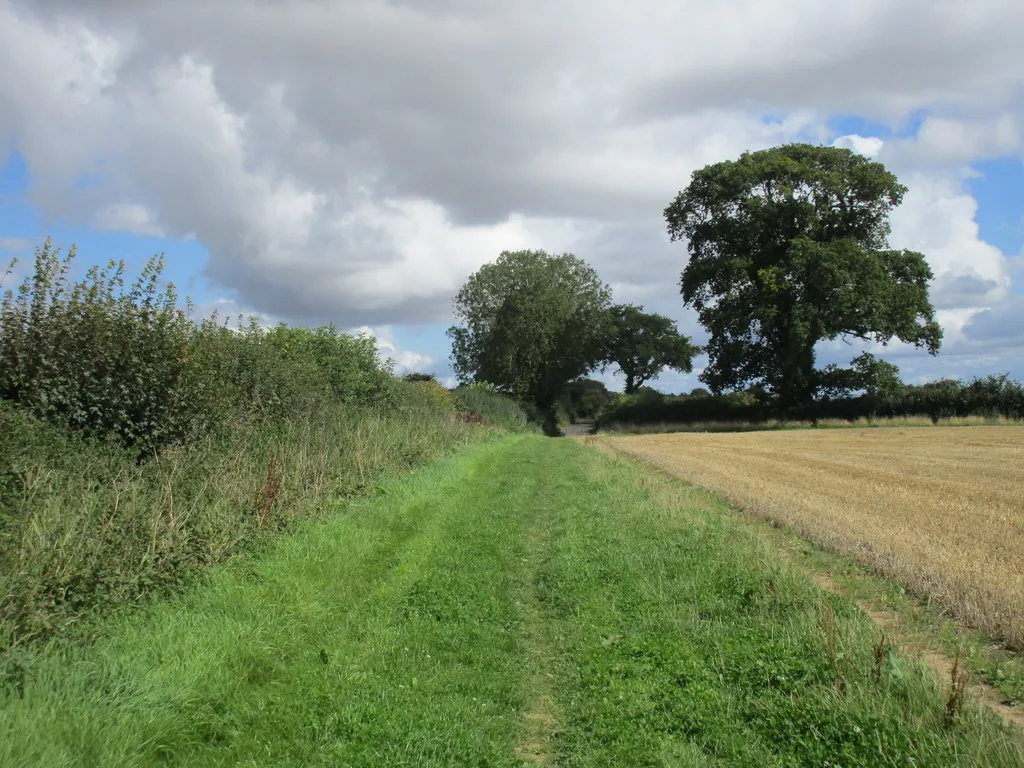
[958, 680]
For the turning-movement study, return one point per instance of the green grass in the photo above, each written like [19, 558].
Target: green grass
[528, 600]
[85, 528]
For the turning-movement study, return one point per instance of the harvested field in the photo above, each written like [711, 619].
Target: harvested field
[940, 510]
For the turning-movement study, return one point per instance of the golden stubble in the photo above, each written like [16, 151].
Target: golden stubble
[939, 509]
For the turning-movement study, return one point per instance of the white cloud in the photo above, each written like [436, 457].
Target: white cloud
[870, 146]
[128, 217]
[945, 141]
[937, 218]
[404, 360]
[16, 244]
[355, 161]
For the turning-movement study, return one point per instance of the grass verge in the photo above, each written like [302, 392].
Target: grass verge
[938, 510]
[922, 627]
[85, 528]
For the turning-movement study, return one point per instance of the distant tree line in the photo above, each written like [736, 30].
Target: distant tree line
[990, 397]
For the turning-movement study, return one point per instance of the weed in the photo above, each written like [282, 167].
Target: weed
[959, 678]
[830, 635]
[271, 489]
[882, 650]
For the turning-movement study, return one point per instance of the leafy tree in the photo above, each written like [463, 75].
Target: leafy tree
[877, 378]
[586, 397]
[644, 344]
[528, 324]
[788, 247]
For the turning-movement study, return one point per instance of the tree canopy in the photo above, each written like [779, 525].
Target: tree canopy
[529, 323]
[643, 344]
[789, 247]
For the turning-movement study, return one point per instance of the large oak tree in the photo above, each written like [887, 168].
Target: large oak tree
[789, 247]
[529, 323]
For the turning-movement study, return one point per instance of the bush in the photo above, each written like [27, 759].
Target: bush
[654, 408]
[95, 357]
[586, 398]
[127, 364]
[426, 394]
[484, 401]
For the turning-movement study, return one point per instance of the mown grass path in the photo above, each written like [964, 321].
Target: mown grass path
[527, 602]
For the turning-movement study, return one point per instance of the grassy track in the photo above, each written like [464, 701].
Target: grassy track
[527, 602]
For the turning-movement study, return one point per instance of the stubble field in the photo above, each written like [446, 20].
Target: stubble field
[941, 510]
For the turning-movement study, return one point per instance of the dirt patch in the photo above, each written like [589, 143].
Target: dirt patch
[534, 748]
[539, 718]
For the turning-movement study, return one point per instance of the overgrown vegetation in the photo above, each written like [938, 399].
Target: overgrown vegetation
[137, 445]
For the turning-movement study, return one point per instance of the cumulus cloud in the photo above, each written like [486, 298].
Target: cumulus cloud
[937, 218]
[403, 360]
[869, 146]
[355, 161]
[1000, 326]
[16, 244]
[127, 217]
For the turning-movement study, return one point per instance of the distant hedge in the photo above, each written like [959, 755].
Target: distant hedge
[991, 396]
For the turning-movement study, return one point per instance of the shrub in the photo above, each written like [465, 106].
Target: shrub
[484, 401]
[126, 363]
[586, 398]
[97, 357]
[243, 430]
[426, 394]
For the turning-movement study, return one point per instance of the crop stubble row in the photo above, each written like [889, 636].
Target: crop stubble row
[939, 509]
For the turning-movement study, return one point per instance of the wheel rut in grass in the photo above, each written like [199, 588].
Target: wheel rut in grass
[540, 720]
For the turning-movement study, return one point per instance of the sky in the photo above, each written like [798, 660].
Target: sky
[354, 161]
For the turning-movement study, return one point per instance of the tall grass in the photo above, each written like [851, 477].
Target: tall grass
[484, 402]
[137, 445]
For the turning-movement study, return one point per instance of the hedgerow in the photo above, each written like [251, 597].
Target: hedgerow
[138, 445]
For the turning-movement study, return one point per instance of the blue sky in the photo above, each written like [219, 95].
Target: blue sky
[354, 164]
